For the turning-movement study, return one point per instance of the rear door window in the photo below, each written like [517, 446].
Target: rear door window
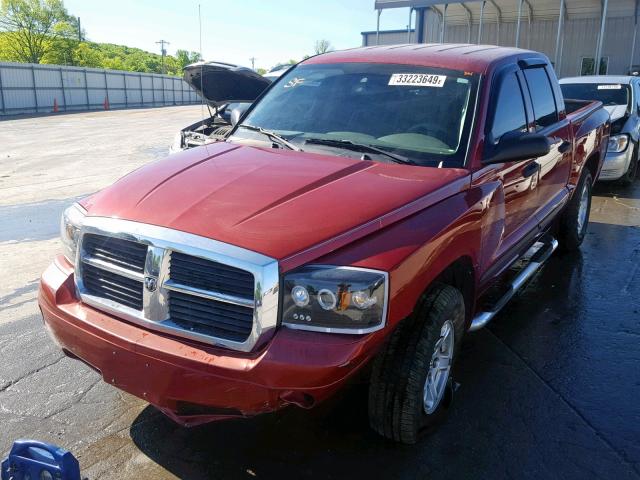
[509, 113]
[544, 105]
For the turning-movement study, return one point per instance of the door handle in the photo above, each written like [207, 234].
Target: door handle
[564, 147]
[530, 169]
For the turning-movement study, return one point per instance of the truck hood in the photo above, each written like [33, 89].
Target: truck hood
[273, 201]
[222, 83]
[616, 111]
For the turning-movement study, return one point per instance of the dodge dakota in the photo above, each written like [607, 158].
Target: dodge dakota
[368, 209]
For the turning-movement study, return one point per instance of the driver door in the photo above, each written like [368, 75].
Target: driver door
[510, 218]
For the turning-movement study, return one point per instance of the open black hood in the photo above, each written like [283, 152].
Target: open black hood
[222, 83]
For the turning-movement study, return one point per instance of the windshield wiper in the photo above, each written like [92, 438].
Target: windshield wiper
[358, 147]
[280, 140]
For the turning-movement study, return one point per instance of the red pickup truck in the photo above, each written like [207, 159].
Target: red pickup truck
[369, 208]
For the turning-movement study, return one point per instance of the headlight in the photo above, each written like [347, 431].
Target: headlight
[618, 143]
[335, 299]
[176, 145]
[70, 225]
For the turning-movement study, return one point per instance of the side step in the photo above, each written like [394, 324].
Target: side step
[539, 253]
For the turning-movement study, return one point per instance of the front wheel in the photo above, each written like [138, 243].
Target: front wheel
[575, 218]
[410, 382]
[629, 177]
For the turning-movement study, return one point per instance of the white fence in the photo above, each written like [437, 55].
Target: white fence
[33, 88]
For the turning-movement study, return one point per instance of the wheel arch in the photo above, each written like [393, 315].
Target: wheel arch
[593, 164]
[461, 275]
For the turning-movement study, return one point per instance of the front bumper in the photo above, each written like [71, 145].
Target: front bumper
[616, 164]
[195, 383]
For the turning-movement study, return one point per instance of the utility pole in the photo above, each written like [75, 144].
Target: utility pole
[163, 51]
[79, 31]
[253, 63]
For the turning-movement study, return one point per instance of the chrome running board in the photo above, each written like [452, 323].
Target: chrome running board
[543, 249]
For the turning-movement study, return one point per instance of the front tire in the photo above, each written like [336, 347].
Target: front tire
[629, 177]
[575, 218]
[410, 381]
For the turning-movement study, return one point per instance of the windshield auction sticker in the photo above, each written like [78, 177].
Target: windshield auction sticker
[610, 87]
[417, 79]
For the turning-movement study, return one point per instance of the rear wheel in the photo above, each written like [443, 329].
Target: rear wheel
[410, 387]
[575, 218]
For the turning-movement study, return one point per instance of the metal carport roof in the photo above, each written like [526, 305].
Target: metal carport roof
[458, 12]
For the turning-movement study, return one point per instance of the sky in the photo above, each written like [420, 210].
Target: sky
[234, 31]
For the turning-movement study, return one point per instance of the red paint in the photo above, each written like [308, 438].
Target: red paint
[412, 222]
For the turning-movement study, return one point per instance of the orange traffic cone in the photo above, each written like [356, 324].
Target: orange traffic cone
[55, 105]
[106, 103]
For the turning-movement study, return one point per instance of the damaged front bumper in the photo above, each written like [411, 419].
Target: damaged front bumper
[194, 383]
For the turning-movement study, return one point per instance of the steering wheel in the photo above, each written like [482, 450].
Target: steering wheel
[436, 131]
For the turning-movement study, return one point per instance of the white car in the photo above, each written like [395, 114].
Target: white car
[620, 96]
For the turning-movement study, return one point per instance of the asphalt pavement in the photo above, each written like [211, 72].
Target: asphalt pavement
[551, 389]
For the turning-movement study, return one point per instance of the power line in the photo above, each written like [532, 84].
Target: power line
[163, 51]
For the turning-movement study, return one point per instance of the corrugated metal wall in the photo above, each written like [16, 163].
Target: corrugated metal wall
[32, 88]
[578, 41]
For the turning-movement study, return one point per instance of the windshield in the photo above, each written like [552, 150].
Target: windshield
[608, 93]
[420, 113]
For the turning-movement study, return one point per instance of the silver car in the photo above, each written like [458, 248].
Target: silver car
[621, 98]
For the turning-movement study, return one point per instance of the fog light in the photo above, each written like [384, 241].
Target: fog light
[300, 296]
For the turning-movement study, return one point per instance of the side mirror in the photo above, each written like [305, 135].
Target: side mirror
[237, 112]
[516, 146]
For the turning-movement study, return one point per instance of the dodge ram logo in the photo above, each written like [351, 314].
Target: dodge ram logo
[150, 283]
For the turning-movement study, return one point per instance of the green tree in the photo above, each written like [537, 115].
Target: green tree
[185, 58]
[261, 71]
[34, 26]
[87, 56]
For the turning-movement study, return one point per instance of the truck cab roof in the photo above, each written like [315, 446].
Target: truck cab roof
[467, 57]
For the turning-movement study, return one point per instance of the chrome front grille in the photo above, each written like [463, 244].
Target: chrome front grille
[195, 313]
[177, 282]
[103, 283]
[123, 253]
[207, 275]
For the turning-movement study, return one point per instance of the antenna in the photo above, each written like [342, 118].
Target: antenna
[201, 65]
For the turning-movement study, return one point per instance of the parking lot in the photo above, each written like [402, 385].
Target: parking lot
[550, 390]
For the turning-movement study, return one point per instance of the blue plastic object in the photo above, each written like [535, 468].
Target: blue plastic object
[32, 460]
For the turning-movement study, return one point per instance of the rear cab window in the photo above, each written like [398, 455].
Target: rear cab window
[610, 94]
[542, 97]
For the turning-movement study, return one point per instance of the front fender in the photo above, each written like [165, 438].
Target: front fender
[416, 250]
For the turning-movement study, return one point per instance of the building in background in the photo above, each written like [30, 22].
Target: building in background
[572, 33]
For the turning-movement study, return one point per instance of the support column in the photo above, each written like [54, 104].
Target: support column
[444, 23]
[409, 25]
[518, 23]
[4, 105]
[86, 89]
[469, 21]
[420, 13]
[378, 27]
[596, 67]
[480, 24]
[35, 90]
[635, 34]
[64, 94]
[559, 34]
